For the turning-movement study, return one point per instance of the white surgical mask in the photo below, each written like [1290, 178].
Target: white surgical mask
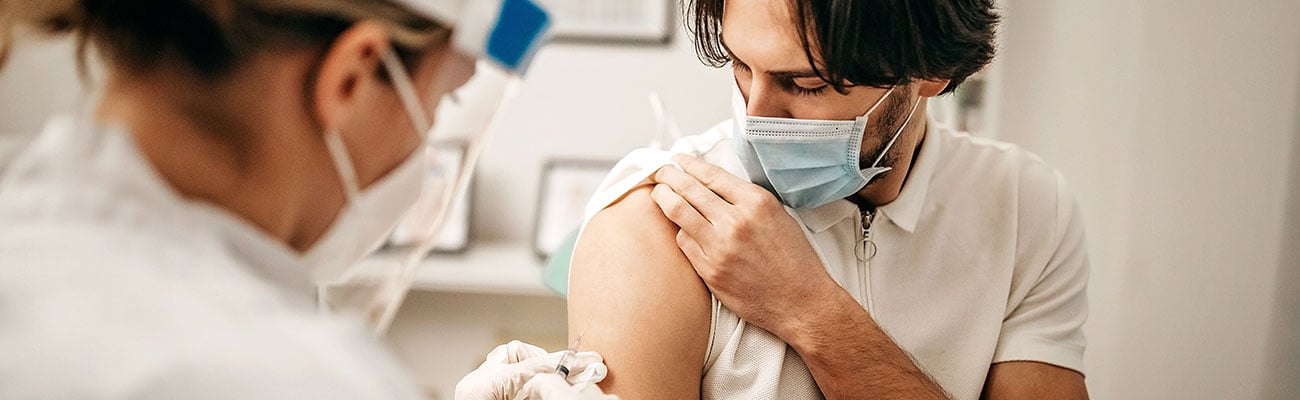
[369, 215]
[364, 223]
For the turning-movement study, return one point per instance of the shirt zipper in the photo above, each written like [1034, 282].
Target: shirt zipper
[865, 251]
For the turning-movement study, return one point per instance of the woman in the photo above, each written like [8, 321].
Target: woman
[164, 244]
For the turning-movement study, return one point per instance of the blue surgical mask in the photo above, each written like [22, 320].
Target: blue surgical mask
[807, 163]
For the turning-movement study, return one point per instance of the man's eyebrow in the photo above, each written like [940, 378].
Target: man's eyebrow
[789, 74]
[730, 53]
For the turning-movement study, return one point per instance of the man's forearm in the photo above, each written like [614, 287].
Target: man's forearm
[852, 358]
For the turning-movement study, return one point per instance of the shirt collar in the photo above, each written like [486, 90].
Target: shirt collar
[905, 210]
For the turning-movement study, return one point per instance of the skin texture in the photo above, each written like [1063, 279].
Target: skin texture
[252, 142]
[751, 254]
[1033, 380]
[639, 301]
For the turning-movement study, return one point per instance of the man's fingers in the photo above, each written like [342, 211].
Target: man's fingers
[679, 211]
[708, 203]
[692, 249]
[732, 188]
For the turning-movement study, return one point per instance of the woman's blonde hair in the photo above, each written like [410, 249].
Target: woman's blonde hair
[211, 36]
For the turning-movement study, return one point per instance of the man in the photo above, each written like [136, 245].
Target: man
[832, 240]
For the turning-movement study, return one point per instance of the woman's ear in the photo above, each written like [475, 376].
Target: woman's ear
[931, 88]
[350, 65]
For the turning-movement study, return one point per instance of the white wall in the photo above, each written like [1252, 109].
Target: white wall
[39, 79]
[587, 101]
[1175, 122]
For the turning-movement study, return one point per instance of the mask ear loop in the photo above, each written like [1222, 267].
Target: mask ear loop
[897, 134]
[879, 101]
[342, 164]
[348, 176]
[406, 90]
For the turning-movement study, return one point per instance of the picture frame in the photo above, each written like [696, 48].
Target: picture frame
[647, 22]
[455, 237]
[566, 187]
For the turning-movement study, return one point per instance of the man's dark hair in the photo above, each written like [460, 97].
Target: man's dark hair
[876, 43]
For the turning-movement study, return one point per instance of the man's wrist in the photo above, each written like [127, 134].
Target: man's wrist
[812, 328]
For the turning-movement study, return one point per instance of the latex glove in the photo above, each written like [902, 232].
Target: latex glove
[550, 386]
[510, 366]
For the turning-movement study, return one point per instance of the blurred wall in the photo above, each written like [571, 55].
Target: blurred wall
[40, 79]
[1283, 367]
[1175, 123]
[589, 102]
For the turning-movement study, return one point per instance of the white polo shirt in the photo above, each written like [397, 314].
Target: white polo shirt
[981, 259]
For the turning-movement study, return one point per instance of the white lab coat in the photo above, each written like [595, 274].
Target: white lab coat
[114, 287]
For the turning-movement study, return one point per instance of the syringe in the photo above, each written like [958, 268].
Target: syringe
[568, 355]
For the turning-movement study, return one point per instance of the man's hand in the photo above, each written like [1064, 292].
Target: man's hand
[750, 252]
[755, 259]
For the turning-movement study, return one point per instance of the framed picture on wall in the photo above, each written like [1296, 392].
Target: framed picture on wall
[566, 186]
[615, 21]
[419, 222]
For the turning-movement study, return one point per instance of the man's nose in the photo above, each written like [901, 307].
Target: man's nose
[766, 100]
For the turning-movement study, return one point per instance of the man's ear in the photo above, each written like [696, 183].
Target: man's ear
[349, 66]
[931, 88]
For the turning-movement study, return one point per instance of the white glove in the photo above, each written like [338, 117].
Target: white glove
[554, 387]
[510, 366]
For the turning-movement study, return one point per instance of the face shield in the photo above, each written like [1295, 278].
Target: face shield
[494, 41]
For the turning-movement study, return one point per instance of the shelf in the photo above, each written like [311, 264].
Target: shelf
[486, 268]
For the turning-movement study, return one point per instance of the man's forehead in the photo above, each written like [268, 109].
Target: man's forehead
[762, 34]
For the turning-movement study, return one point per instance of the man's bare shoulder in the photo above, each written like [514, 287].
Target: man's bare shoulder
[639, 301]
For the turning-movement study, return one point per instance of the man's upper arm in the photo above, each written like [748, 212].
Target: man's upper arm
[1026, 380]
[639, 302]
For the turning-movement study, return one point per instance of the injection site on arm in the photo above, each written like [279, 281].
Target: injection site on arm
[639, 301]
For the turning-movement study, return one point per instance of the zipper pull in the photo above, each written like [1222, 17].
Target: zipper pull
[866, 248]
